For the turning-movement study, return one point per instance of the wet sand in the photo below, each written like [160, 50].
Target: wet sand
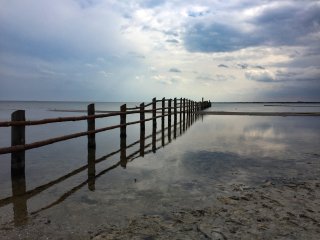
[281, 209]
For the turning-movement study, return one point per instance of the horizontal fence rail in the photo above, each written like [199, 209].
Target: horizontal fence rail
[18, 122]
[168, 113]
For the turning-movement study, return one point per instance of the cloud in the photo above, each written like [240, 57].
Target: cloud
[208, 78]
[277, 24]
[175, 70]
[172, 41]
[249, 66]
[260, 76]
[166, 80]
[61, 30]
[136, 55]
[310, 74]
[151, 3]
[243, 65]
[258, 67]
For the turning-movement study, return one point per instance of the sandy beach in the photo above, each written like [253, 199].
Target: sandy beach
[283, 209]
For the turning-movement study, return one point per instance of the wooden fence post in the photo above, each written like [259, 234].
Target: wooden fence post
[91, 127]
[123, 121]
[18, 177]
[188, 113]
[180, 116]
[123, 136]
[192, 107]
[18, 138]
[154, 124]
[169, 120]
[184, 114]
[142, 129]
[163, 106]
[175, 117]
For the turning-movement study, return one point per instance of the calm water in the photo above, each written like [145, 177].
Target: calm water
[188, 172]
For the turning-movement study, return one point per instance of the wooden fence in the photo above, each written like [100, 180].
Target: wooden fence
[18, 124]
[184, 114]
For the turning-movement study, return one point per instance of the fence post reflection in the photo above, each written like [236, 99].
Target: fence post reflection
[91, 168]
[20, 209]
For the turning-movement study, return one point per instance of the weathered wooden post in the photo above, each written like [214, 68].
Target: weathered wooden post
[123, 121]
[142, 129]
[169, 119]
[91, 127]
[180, 116]
[184, 114]
[91, 168]
[188, 113]
[18, 138]
[91, 148]
[192, 107]
[163, 106]
[175, 117]
[123, 136]
[154, 124]
[18, 177]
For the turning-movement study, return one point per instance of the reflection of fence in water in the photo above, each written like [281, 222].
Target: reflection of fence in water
[187, 114]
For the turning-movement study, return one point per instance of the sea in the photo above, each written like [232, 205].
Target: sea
[63, 192]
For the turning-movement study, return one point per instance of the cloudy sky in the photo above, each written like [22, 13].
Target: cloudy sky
[112, 50]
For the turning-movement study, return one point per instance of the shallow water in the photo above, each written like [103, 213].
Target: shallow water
[188, 172]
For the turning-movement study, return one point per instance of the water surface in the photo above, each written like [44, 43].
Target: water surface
[214, 151]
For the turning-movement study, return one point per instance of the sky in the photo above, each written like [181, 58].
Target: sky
[112, 50]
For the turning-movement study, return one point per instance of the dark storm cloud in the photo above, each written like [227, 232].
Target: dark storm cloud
[283, 25]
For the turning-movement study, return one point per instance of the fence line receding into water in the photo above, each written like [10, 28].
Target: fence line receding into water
[18, 123]
[183, 112]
